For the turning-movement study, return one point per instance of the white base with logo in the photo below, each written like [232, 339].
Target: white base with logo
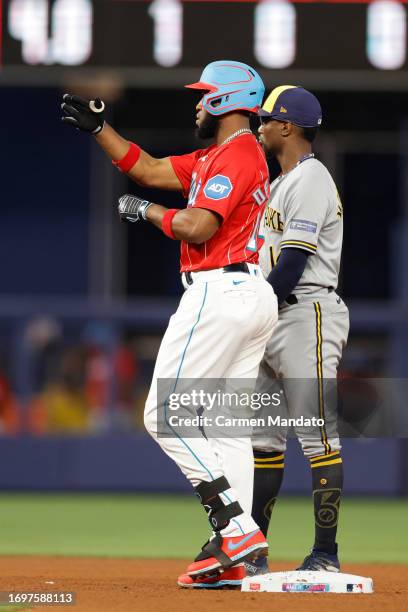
[307, 582]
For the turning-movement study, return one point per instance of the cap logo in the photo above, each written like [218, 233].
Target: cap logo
[283, 109]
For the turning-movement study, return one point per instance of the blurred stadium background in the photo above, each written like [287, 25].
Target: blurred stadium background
[84, 301]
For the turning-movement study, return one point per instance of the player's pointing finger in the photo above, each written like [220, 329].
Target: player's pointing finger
[76, 101]
[70, 111]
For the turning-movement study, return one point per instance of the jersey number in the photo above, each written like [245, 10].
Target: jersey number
[255, 236]
[274, 258]
[260, 196]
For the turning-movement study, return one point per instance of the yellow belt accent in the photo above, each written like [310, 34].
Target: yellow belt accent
[277, 458]
[273, 466]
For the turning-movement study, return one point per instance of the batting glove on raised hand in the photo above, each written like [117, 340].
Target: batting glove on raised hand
[132, 209]
[85, 115]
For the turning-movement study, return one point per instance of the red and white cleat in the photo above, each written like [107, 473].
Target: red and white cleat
[229, 551]
[229, 579]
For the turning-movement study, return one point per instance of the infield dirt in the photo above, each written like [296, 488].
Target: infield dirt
[107, 585]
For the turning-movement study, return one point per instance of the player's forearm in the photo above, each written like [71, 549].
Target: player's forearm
[287, 272]
[155, 214]
[181, 226]
[112, 143]
[140, 167]
[184, 225]
[116, 147]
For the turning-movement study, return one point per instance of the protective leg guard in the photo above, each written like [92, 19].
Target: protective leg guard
[219, 514]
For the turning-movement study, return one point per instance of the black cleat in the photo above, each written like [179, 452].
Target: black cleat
[257, 567]
[319, 561]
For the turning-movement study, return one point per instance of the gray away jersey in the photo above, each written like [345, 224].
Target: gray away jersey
[305, 212]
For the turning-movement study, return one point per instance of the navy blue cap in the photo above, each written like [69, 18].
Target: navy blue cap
[293, 104]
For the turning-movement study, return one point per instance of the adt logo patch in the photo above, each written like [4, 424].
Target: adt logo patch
[218, 187]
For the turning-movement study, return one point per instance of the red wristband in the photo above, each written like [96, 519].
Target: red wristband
[126, 163]
[166, 222]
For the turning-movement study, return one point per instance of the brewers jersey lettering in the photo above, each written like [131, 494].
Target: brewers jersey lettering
[305, 212]
[231, 180]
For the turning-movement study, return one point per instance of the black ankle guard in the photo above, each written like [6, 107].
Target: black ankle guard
[212, 548]
[219, 515]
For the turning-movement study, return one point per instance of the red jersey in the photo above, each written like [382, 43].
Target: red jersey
[231, 180]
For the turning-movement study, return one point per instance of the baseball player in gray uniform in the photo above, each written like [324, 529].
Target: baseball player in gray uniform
[303, 229]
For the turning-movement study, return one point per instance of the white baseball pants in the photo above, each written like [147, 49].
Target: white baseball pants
[219, 330]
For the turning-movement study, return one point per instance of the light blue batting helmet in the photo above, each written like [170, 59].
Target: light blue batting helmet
[231, 86]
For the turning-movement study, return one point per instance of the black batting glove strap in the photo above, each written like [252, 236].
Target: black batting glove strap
[132, 208]
[85, 115]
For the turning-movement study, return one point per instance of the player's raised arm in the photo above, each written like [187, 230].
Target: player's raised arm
[88, 116]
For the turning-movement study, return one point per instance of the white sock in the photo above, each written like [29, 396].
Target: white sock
[239, 525]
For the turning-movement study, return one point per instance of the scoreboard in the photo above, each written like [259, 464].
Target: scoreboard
[172, 34]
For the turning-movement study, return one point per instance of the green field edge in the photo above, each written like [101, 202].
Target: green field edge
[174, 527]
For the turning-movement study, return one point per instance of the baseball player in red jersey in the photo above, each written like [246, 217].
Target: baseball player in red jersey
[228, 311]
[210, 178]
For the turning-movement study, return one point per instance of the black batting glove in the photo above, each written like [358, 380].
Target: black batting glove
[85, 115]
[132, 209]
